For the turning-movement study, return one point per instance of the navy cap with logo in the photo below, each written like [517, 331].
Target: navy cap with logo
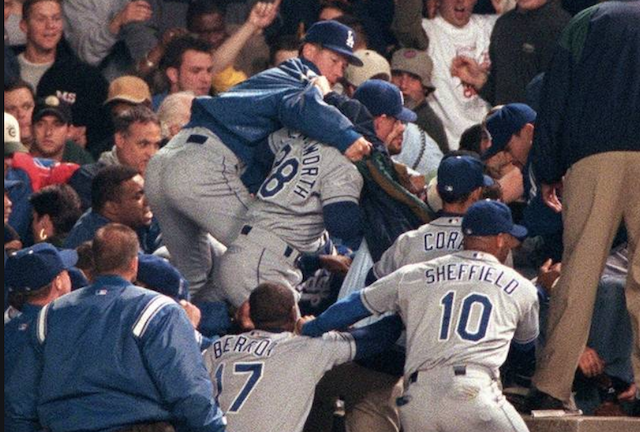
[490, 218]
[51, 105]
[160, 276]
[460, 175]
[36, 267]
[504, 123]
[334, 36]
[382, 97]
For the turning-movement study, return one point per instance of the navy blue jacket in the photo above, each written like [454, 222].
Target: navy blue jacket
[107, 357]
[16, 336]
[284, 96]
[90, 222]
[590, 100]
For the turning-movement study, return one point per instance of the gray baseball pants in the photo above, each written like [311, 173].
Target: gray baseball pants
[194, 189]
[457, 399]
[257, 256]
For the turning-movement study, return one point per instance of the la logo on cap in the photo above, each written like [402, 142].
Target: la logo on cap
[351, 40]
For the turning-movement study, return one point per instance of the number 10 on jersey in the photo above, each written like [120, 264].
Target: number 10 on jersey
[466, 330]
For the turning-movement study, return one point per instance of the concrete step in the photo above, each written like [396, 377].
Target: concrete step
[583, 424]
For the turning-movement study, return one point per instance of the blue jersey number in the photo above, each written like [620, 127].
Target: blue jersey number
[255, 370]
[463, 328]
[283, 172]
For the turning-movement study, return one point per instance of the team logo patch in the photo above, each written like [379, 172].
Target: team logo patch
[410, 54]
[12, 132]
[52, 101]
[351, 41]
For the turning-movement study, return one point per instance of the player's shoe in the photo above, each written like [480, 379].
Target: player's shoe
[539, 403]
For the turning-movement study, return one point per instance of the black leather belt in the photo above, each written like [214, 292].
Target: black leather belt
[457, 371]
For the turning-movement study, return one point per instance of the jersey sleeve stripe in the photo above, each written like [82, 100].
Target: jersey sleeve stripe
[352, 343]
[341, 198]
[526, 340]
[42, 324]
[149, 313]
[370, 308]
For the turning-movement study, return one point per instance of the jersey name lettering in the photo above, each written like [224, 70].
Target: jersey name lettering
[451, 240]
[310, 170]
[473, 272]
[241, 344]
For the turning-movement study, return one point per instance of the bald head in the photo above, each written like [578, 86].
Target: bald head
[115, 250]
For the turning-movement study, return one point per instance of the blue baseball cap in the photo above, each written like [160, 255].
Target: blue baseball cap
[159, 275]
[504, 123]
[10, 184]
[490, 218]
[36, 267]
[334, 36]
[382, 97]
[460, 175]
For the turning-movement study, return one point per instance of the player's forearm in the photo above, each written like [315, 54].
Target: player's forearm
[343, 220]
[376, 338]
[309, 114]
[339, 316]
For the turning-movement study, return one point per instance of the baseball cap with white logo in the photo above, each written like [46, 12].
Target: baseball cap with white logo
[490, 218]
[381, 97]
[12, 142]
[334, 36]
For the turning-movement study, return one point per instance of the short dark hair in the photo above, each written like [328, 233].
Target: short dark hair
[204, 7]
[61, 203]
[471, 138]
[29, 4]
[20, 84]
[106, 184]
[344, 7]
[135, 114]
[174, 54]
[114, 247]
[86, 263]
[270, 306]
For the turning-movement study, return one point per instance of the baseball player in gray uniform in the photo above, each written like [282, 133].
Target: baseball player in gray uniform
[461, 313]
[201, 182]
[248, 369]
[460, 184]
[312, 187]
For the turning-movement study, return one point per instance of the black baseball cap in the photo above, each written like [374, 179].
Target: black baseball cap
[51, 105]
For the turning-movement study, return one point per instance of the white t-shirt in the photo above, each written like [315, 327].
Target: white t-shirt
[457, 104]
[32, 72]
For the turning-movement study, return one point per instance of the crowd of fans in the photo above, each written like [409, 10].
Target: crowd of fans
[435, 105]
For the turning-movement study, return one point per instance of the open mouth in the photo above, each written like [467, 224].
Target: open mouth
[460, 11]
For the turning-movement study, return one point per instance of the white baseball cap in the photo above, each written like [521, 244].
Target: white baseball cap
[374, 65]
[12, 142]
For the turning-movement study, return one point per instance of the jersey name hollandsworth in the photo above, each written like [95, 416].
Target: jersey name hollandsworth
[311, 160]
[260, 348]
[472, 272]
